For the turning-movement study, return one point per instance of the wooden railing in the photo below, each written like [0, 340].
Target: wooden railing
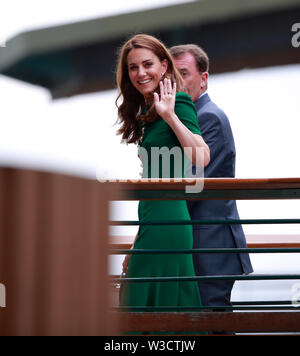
[54, 255]
[54, 248]
[252, 317]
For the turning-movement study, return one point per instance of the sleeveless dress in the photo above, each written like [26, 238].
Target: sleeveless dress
[164, 294]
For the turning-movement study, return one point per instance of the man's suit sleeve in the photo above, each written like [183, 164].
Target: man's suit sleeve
[186, 112]
[213, 134]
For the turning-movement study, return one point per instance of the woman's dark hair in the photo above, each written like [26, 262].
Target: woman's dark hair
[133, 104]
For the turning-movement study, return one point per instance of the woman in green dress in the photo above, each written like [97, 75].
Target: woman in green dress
[156, 113]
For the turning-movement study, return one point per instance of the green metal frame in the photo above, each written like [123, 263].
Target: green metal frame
[247, 194]
[207, 222]
[239, 194]
[253, 277]
[205, 250]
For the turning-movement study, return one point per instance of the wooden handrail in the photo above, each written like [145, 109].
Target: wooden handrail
[213, 188]
[253, 241]
[273, 241]
[205, 321]
[210, 183]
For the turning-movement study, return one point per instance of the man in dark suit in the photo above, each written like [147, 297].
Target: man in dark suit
[193, 64]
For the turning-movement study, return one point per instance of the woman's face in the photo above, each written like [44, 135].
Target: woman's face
[145, 70]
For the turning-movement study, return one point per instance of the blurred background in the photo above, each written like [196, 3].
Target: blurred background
[57, 84]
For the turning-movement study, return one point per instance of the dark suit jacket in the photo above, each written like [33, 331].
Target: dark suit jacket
[216, 132]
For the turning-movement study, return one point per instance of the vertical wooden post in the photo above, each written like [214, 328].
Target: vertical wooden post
[53, 255]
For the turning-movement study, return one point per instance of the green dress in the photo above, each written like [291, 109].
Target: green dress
[164, 294]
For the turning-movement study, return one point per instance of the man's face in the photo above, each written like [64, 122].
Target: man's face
[194, 81]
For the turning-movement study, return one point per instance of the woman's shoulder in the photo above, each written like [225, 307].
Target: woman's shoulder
[184, 102]
[183, 96]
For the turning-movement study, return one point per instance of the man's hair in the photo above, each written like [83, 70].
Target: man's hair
[197, 52]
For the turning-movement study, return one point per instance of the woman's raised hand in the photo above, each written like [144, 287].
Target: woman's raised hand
[165, 103]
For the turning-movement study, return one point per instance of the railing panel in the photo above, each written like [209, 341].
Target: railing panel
[212, 321]
[214, 188]
[149, 319]
[53, 254]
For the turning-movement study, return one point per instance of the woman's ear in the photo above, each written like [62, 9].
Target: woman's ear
[164, 64]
